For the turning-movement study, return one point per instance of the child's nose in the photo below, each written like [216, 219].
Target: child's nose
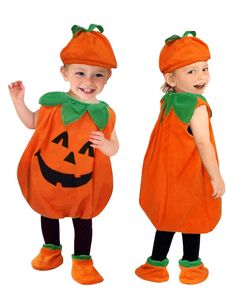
[88, 79]
[203, 76]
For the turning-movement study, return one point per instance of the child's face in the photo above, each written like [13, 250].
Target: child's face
[192, 78]
[86, 82]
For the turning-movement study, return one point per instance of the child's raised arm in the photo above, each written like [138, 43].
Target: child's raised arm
[17, 91]
[199, 125]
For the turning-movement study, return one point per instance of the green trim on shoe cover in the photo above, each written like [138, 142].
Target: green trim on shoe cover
[52, 246]
[81, 257]
[190, 264]
[158, 263]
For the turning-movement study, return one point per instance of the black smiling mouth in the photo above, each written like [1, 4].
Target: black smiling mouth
[66, 180]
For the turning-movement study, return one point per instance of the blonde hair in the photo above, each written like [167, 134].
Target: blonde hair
[167, 88]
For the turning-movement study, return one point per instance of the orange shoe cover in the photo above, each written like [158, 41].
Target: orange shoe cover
[49, 258]
[153, 271]
[84, 272]
[192, 272]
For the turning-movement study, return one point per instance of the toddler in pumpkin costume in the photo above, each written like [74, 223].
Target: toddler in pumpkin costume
[181, 184]
[65, 170]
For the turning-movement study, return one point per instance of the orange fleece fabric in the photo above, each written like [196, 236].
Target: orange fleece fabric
[60, 175]
[176, 191]
[182, 51]
[84, 272]
[89, 47]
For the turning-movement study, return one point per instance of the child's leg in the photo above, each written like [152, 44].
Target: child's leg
[155, 269]
[191, 245]
[192, 268]
[83, 270]
[49, 256]
[161, 246]
[82, 236]
[50, 230]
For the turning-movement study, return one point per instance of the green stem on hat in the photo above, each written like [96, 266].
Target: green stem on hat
[77, 29]
[172, 38]
[187, 33]
[93, 26]
[175, 37]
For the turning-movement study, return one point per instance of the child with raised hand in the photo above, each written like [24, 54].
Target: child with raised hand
[65, 170]
[181, 185]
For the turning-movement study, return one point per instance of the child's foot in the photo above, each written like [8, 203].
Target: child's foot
[192, 272]
[83, 270]
[48, 258]
[153, 271]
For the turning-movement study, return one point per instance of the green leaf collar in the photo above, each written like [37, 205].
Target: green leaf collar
[73, 109]
[183, 104]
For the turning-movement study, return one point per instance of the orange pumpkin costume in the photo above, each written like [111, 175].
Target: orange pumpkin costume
[176, 191]
[60, 174]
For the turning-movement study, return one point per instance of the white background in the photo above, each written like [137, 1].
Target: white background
[32, 35]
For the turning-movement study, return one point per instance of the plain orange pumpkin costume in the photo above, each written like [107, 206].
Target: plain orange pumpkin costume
[60, 173]
[176, 190]
[173, 172]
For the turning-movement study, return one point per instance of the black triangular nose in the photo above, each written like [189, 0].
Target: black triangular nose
[70, 158]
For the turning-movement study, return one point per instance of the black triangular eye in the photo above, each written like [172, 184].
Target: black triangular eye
[70, 158]
[85, 147]
[64, 137]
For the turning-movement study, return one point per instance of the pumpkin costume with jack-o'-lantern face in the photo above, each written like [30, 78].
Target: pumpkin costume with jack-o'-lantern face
[60, 173]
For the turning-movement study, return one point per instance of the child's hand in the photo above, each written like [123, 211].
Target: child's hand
[218, 188]
[17, 91]
[98, 140]
[108, 147]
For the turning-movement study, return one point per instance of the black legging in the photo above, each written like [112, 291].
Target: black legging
[162, 243]
[82, 234]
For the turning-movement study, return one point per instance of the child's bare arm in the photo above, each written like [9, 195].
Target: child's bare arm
[17, 91]
[200, 128]
[106, 146]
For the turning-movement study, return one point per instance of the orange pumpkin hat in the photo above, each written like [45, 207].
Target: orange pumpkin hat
[89, 47]
[181, 51]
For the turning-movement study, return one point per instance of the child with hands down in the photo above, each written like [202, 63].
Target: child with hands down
[181, 184]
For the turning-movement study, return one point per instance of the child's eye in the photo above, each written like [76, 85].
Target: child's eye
[80, 73]
[192, 71]
[99, 75]
[205, 69]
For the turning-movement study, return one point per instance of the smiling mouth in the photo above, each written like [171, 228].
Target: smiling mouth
[87, 90]
[66, 180]
[201, 86]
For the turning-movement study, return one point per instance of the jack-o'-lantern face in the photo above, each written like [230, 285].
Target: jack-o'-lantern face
[54, 176]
